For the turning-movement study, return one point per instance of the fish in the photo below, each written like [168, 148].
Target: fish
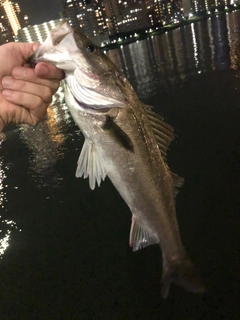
[126, 141]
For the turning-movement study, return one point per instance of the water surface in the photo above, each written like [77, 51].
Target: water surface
[64, 248]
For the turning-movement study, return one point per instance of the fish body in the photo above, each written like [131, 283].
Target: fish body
[125, 141]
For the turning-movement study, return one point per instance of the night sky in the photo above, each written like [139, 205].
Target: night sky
[40, 11]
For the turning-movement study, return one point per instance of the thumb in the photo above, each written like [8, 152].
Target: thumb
[48, 71]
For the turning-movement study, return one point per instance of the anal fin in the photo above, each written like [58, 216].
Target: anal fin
[140, 237]
[91, 165]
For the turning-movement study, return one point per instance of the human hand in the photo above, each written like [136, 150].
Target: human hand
[25, 93]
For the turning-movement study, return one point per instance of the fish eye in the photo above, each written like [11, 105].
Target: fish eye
[90, 48]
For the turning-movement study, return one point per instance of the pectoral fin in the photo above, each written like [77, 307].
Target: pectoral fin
[140, 237]
[90, 164]
[118, 134]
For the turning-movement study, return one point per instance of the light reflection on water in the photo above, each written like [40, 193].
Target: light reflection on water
[46, 142]
[233, 32]
[46, 145]
[6, 226]
[160, 62]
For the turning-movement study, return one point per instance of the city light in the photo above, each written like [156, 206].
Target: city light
[101, 20]
[12, 17]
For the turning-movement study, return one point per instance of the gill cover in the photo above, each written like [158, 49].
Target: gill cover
[89, 98]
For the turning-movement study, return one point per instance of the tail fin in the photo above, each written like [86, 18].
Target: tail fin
[182, 273]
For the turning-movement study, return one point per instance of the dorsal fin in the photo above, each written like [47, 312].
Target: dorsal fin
[164, 132]
[140, 237]
[91, 165]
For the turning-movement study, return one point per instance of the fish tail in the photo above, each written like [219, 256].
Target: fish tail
[184, 274]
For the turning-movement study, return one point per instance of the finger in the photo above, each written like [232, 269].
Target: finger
[36, 45]
[43, 92]
[15, 114]
[25, 49]
[28, 74]
[48, 71]
[34, 105]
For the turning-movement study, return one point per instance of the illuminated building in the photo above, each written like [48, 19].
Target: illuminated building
[210, 6]
[11, 15]
[186, 8]
[112, 15]
[154, 11]
[37, 33]
[129, 16]
[202, 6]
[87, 15]
[125, 16]
[11, 20]
[171, 11]
[22, 18]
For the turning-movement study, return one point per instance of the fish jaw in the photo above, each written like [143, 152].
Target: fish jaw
[61, 49]
[53, 49]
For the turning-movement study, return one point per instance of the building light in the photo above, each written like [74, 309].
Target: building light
[12, 17]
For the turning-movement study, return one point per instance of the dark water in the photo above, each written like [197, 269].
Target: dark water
[64, 248]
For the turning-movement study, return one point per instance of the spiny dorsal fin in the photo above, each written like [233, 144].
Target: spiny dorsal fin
[140, 237]
[164, 132]
[91, 165]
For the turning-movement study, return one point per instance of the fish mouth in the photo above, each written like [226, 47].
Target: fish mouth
[55, 37]
[32, 60]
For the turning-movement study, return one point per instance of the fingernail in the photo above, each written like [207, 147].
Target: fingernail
[7, 82]
[18, 72]
[35, 46]
[7, 93]
[42, 70]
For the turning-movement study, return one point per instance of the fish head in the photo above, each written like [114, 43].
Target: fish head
[53, 49]
[84, 64]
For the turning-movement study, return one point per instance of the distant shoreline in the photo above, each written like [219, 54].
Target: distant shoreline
[138, 35]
